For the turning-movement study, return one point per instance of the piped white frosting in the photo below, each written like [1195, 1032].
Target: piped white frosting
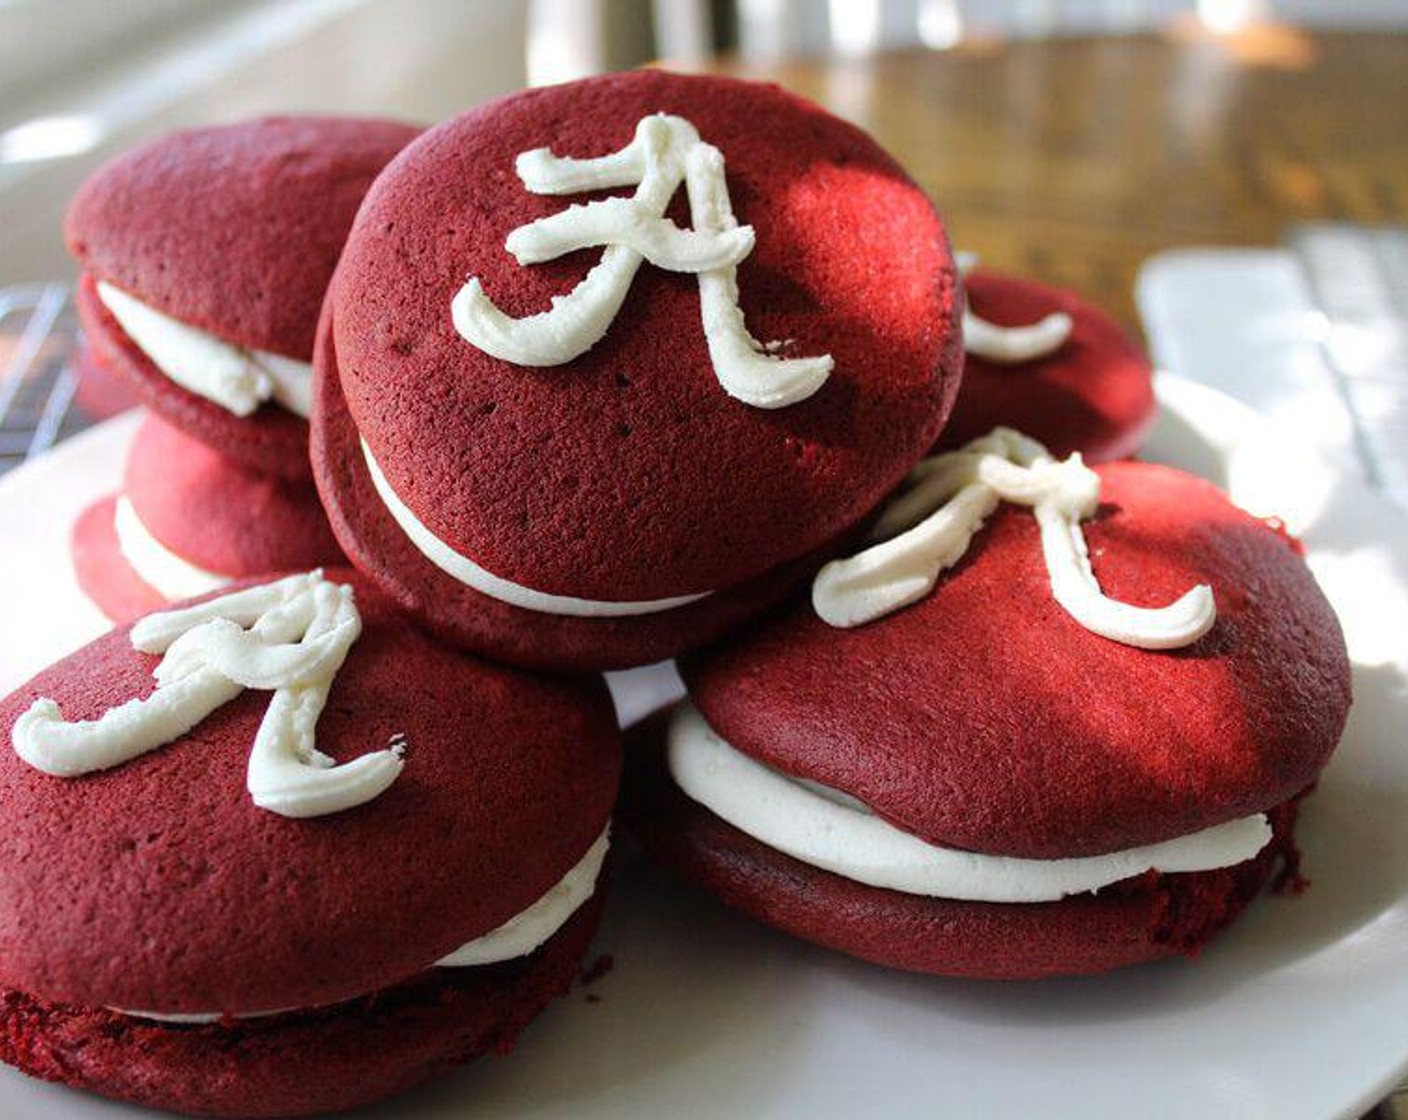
[832, 831]
[238, 379]
[159, 568]
[517, 937]
[1011, 345]
[665, 152]
[927, 530]
[461, 568]
[291, 637]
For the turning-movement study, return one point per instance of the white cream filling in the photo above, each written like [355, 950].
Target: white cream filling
[524, 932]
[520, 935]
[466, 571]
[234, 377]
[835, 832]
[159, 567]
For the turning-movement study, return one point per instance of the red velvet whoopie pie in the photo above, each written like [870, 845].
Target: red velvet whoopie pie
[189, 520]
[979, 784]
[609, 367]
[1087, 387]
[347, 878]
[206, 255]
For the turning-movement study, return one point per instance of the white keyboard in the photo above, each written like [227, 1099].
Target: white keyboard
[1314, 334]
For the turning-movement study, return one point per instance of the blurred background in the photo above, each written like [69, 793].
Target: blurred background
[1228, 177]
[80, 79]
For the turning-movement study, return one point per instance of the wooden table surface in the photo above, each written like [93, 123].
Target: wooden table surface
[1073, 160]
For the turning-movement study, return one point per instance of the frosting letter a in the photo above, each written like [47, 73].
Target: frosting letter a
[290, 637]
[665, 152]
[928, 528]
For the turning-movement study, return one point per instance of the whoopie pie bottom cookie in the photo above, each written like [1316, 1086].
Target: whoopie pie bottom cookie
[189, 520]
[98, 391]
[1141, 919]
[303, 1062]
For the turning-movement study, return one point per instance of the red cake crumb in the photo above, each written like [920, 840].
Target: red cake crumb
[598, 968]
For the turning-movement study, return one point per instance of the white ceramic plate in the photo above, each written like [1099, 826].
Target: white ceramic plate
[1301, 1010]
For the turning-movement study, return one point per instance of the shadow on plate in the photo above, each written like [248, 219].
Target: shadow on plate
[690, 985]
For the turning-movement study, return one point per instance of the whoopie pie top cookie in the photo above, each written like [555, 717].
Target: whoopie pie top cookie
[286, 797]
[610, 350]
[1025, 709]
[1045, 362]
[206, 255]
[189, 520]
[1015, 706]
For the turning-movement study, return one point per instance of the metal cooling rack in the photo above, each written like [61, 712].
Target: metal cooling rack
[39, 344]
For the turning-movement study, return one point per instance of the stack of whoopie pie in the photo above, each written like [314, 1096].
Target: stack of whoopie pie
[643, 366]
[205, 257]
